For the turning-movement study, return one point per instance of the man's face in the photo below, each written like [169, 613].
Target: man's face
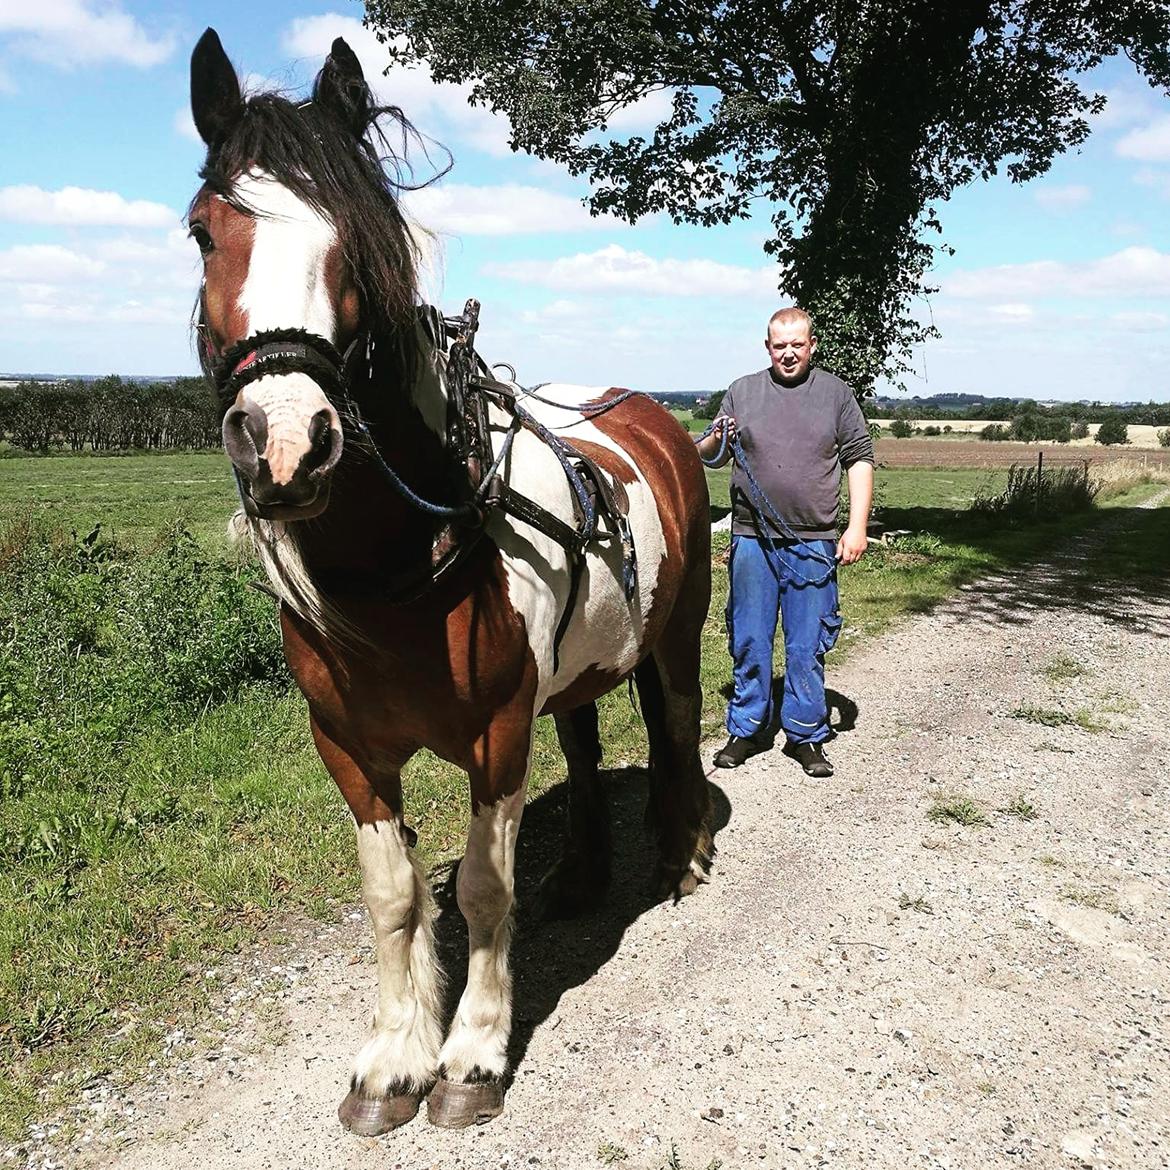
[791, 347]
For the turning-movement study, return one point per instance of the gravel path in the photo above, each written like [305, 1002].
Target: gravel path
[858, 986]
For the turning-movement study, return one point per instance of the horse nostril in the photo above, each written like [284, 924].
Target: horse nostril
[324, 444]
[245, 435]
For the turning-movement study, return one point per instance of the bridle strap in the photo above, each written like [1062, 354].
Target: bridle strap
[281, 351]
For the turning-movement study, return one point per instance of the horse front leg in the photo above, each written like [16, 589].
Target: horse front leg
[399, 1062]
[474, 1057]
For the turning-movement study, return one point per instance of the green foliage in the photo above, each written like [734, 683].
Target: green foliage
[1033, 426]
[797, 107]
[1020, 807]
[710, 408]
[1164, 437]
[994, 433]
[900, 428]
[1113, 431]
[113, 638]
[109, 414]
[932, 432]
[1079, 429]
[1058, 491]
[959, 810]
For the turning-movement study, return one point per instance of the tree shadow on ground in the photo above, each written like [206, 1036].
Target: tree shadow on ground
[550, 958]
[1118, 568]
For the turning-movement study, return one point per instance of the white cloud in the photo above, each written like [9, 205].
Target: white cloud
[1018, 314]
[80, 207]
[1141, 322]
[1125, 105]
[500, 211]
[1132, 272]
[47, 264]
[130, 279]
[77, 32]
[614, 269]
[1158, 180]
[1062, 198]
[441, 110]
[644, 114]
[1150, 143]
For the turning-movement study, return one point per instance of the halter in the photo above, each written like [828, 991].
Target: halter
[282, 351]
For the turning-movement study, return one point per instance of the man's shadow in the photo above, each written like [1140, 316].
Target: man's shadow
[550, 958]
[843, 711]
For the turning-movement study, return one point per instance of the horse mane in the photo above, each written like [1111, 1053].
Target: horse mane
[353, 180]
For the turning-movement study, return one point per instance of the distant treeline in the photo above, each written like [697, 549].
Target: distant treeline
[1151, 414]
[109, 414]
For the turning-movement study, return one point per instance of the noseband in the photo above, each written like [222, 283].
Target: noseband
[282, 351]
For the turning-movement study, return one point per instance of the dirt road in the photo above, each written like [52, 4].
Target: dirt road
[858, 986]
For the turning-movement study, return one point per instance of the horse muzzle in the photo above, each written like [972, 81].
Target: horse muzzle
[283, 465]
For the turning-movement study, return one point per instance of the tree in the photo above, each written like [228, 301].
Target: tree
[1080, 429]
[853, 122]
[710, 408]
[900, 428]
[1113, 431]
[994, 433]
[1164, 438]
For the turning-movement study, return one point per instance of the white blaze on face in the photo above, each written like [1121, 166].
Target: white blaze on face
[286, 288]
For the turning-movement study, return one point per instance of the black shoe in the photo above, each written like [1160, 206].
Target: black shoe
[811, 757]
[740, 748]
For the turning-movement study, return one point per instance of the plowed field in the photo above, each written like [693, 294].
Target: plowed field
[977, 453]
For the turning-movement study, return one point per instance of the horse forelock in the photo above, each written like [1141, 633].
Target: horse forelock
[342, 177]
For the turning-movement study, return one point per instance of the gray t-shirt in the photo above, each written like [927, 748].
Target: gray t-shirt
[797, 439]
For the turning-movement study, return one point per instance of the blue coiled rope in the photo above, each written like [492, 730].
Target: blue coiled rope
[763, 505]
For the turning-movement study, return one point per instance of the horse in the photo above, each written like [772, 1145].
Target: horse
[416, 612]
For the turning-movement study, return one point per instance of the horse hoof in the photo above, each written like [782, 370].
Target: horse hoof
[371, 1116]
[454, 1105]
[675, 884]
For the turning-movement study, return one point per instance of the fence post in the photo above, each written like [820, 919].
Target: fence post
[1039, 478]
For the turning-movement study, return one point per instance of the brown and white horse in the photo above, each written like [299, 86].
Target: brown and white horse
[301, 236]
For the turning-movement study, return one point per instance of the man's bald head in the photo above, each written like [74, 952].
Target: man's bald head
[792, 315]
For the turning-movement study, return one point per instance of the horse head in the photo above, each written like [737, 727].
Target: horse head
[305, 256]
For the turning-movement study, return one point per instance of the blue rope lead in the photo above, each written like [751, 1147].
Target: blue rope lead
[764, 506]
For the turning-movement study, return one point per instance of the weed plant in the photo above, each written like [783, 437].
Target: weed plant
[959, 810]
[1055, 492]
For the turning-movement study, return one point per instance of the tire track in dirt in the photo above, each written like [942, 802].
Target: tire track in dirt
[859, 986]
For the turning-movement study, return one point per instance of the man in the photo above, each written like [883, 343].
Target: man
[799, 427]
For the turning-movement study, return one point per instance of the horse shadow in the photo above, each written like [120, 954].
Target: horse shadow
[550, 958]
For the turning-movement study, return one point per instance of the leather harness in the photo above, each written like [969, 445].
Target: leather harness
[478, 468]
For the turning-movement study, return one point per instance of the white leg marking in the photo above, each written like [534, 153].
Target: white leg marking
[483, 1021]
[403, 1051]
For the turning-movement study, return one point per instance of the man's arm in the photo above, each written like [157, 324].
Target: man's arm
[851, 546]
[708, 448]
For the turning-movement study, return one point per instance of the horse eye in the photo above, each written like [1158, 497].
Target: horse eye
[201, 236]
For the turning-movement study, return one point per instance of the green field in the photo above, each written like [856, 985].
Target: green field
[132, 496]
[162, 801]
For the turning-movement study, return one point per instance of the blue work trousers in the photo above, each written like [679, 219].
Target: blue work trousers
[769, 577]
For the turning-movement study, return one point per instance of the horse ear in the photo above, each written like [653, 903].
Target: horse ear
[216, 102]
[342, 90]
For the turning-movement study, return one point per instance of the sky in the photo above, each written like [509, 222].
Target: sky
[1058, 289]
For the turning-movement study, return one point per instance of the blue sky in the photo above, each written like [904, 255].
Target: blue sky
[1058, 289]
